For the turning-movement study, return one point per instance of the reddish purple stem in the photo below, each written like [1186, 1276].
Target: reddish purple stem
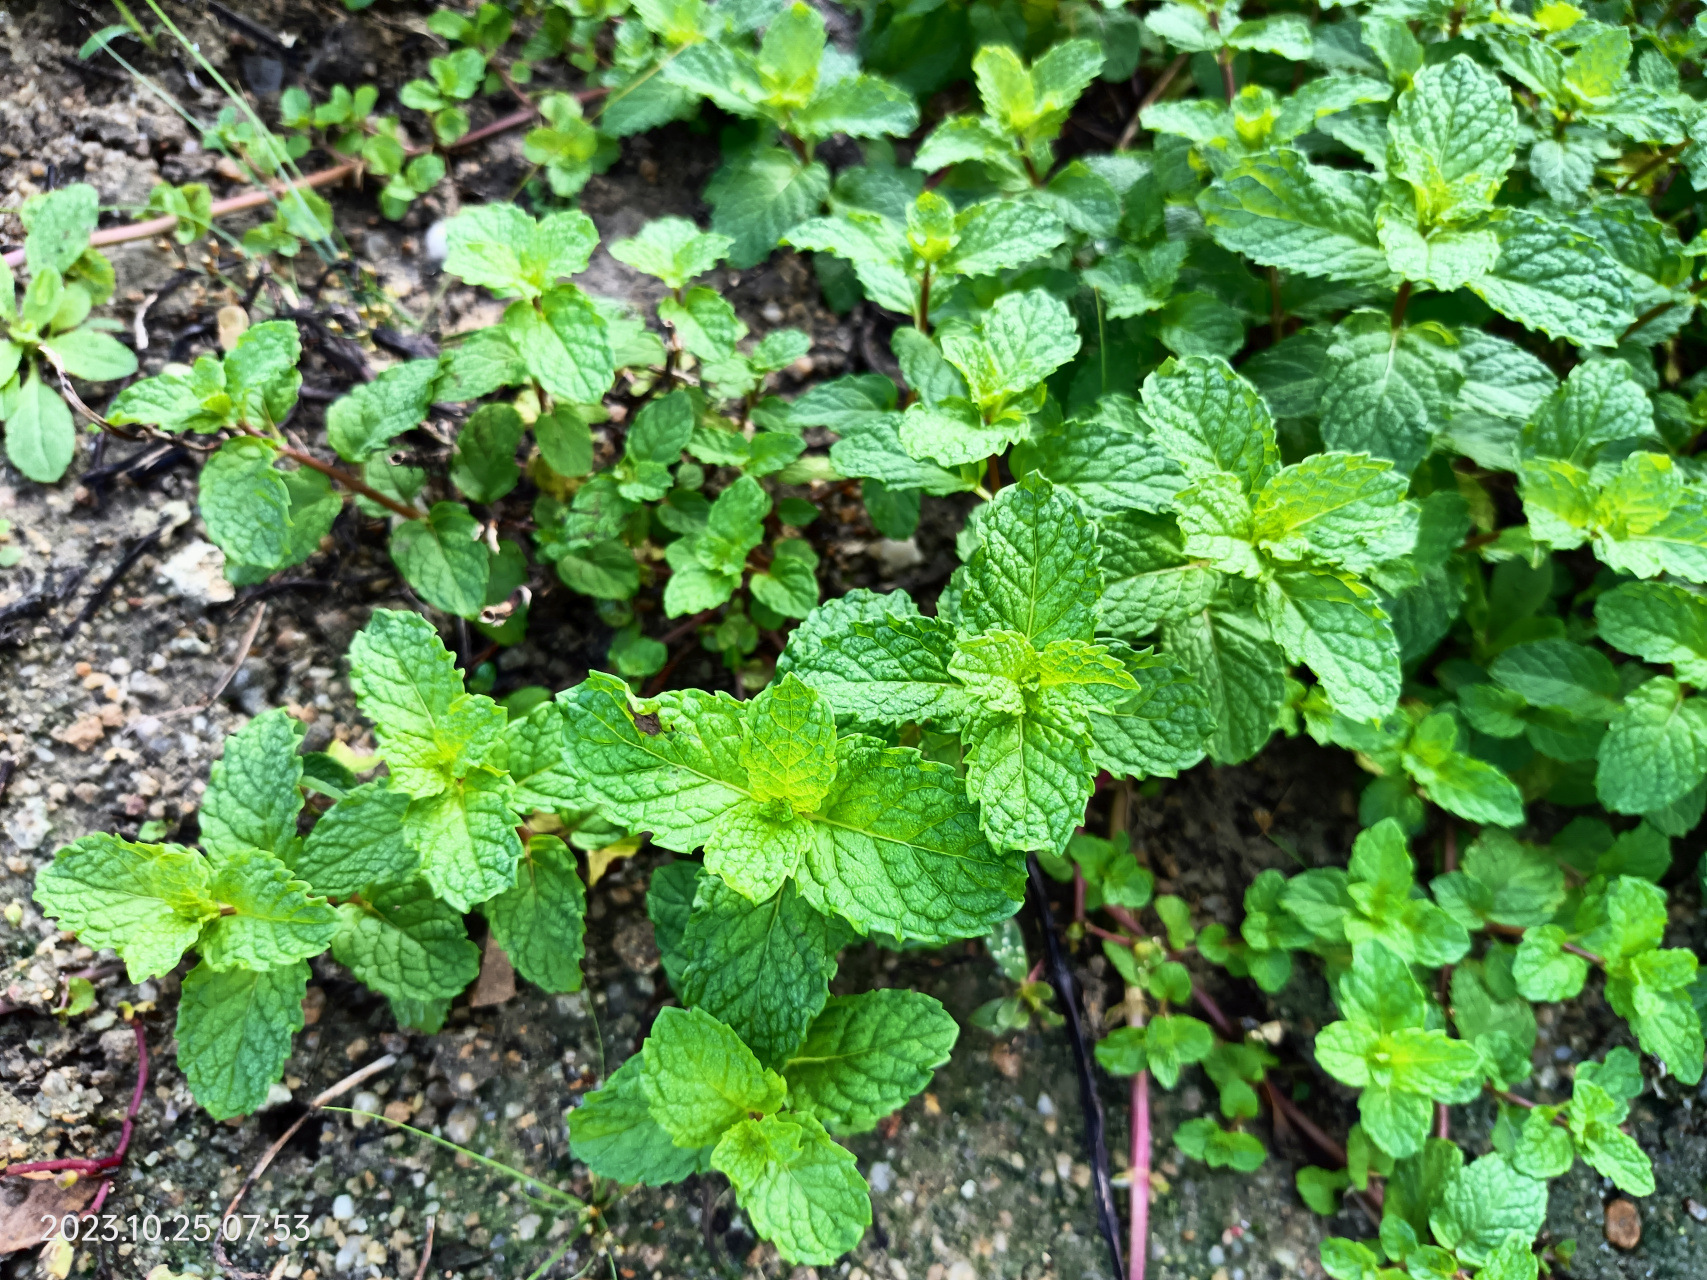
[103, 1163]
[1138, 1238]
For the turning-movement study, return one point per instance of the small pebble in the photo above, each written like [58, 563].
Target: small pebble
[1045, 1105]
[968, 1189]
[344, 1208]
[1217, 1255]
[882, 1177]
[1697, 1210]
[1623, 1224]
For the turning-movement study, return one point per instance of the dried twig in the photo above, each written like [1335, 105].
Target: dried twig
[267, 1157]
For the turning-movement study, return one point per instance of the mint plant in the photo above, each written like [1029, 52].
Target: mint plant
[382, 879]
[49, 334]
[1339, 375]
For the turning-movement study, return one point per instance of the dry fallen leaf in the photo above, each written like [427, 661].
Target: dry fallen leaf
[26, 1202]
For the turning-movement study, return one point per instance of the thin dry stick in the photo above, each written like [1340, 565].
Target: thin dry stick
[427, 1249]
[321, 1099]
[243, 647]
[167, 223]
[1156, 91]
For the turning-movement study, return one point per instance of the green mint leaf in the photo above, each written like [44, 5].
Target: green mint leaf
[676, 777]
[790, 585]
[613, 1133]
[540, 920]
[1209, 419]
[564, 344]
[1593, 1116]
[1036, 570]
[146, 901]
[1230, 654]
[1555, 279]
[1457, 781]
[866, 1055]
[1020, 341]
[1220, 1148]
[1522, 887]
[1454, 137]
[669, 903]
[1388, 392]
[481, 363]
[760, 197]
[1655, 749]
[1148, 579]
[467, 837]
[1282, 211]
[274, 920]
[1335, 626]
[801, 1189]
[252, 794]
[898, 850]
[404, 943]
[673, 250]
[406, 682]
[1543, 1149]
[1483, 1203]
[699, 1078]
[375, 413]
[501, 247]
[1658, 622]
[1157, 731]
[357, 842]
[705, 321]
[1214, 517]
[1345, 509]
[442, 559]
[484, 466]
[234, 1031]
[1599, 403]
[763, 969]
[788, 745]
[1545, 972]
[244, 503]
[1109, 464]
[1557, 673]
[891, 668]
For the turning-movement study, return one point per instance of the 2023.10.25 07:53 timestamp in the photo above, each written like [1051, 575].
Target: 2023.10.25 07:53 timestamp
[136, 1228]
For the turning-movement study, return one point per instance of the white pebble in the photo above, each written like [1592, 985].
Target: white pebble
[435, 243]
[1045, 1105]
[344, 1208]
[968, 1189]
[527, 1227]
[882, 1177]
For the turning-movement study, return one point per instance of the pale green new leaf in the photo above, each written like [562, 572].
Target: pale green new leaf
[699, 1078]
[146, 901]
[273, 921]
[800, 1188]
[467, 837]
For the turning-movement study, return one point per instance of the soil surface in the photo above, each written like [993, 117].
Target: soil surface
[116, 629]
